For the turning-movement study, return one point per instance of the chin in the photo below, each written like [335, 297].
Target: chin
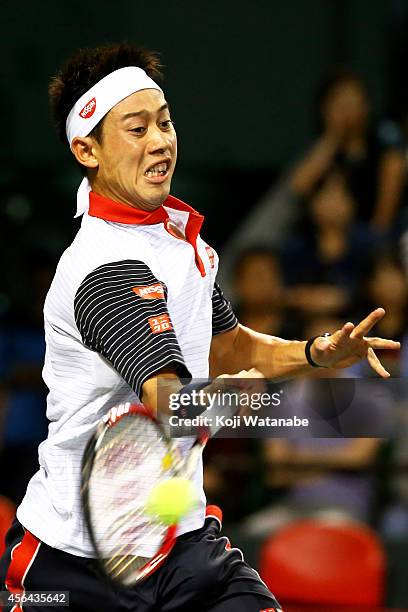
[158, 196]
[152, 203]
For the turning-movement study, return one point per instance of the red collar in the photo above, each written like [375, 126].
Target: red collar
[107, 209]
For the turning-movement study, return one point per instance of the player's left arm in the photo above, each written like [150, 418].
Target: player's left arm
[234, 345]
[242, 348]
[274, 357]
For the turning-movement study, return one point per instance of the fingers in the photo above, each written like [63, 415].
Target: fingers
[376, 364]
[368, 323]
[338, 338]
[251, 373]
[250, 381]
[382, 343]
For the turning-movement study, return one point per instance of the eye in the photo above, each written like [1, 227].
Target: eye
[166, 124]
[138, 130]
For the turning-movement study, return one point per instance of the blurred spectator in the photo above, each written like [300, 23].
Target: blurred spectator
[330, 476]
[394, 519]
[260, 293]
[232, 464]
[267, 225]
[231, 473]
[324, 264]
[371, 155]
[22, 348]
[385, 285]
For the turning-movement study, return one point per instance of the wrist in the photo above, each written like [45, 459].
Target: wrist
[310, 351]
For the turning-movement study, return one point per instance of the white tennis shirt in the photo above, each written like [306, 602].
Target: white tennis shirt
[129, 297]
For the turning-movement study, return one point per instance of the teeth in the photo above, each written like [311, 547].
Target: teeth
[157, 170]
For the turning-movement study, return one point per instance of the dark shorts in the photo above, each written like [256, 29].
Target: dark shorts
[202, 574]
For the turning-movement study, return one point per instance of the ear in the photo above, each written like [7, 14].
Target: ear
[84, 151]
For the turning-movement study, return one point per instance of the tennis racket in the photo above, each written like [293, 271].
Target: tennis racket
[127, 456]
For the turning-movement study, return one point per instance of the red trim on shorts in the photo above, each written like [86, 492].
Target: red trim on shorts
[212, 511]
[22, 556]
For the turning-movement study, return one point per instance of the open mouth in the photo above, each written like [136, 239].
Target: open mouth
[157, 170]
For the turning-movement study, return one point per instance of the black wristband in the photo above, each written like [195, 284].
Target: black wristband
[309, 346]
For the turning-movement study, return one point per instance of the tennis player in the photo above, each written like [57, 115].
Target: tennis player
[134, 306]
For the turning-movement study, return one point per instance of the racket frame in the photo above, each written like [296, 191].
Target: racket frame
[169, 539]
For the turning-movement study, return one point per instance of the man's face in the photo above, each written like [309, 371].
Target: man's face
[138, 152]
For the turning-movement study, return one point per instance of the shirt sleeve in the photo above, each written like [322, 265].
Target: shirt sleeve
[121, 312]
[223, 317]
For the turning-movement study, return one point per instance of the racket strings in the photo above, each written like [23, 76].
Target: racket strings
[129, 460]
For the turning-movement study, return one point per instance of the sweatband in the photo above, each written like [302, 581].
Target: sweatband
[308, 348]
[95, 103]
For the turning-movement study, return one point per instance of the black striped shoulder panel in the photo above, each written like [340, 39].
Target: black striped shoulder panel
[223, 317]
[121, 312]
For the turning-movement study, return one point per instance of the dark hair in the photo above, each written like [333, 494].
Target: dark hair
[88, 66]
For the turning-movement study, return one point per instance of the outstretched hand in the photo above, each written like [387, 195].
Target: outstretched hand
[350, 344]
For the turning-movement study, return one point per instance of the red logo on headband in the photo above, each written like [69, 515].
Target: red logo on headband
[88, 109]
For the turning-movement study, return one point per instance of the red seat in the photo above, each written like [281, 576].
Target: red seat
[318, 562]
[7, 514]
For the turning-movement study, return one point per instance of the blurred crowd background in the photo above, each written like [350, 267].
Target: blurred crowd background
[292, 121]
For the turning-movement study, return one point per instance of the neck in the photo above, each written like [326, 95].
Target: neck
[106, 191]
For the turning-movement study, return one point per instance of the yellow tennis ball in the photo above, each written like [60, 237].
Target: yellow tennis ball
[171, 499]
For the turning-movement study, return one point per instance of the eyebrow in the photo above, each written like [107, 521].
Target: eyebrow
[144, 112]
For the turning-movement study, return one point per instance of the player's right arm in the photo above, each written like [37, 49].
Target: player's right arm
[121, 313]
[156, 390]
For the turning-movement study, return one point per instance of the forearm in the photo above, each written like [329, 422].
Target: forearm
[314, 165]
[275, 357]
[156, 392]
[241, 349]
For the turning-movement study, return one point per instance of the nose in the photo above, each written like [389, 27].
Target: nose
[159, 141]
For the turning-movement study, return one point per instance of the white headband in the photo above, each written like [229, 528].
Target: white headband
[95, 103]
